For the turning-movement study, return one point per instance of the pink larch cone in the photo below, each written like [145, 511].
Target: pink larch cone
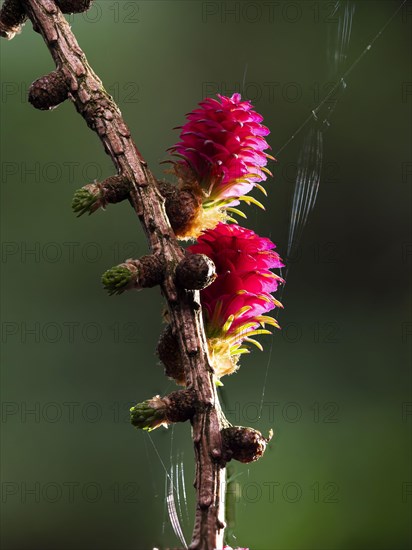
[236, 304]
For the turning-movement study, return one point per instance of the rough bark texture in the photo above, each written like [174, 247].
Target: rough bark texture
[103, 116]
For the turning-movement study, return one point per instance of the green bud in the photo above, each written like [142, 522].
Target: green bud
[116, 279]
[86, 200]
[149, 415]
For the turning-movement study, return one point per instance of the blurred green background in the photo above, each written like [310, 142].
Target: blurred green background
[334, 384]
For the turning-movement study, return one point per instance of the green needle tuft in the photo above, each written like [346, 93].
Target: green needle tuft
[85, 201]
[116, 279]
[145, 417]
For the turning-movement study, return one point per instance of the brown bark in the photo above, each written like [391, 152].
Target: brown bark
[103, 116]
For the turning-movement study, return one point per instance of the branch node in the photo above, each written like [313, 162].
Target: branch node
[48, 91]
[182, 207]
[169, 354]
[195, 272]
[243, 444]
[12, 18]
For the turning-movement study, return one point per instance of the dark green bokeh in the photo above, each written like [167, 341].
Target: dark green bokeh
[337, 393]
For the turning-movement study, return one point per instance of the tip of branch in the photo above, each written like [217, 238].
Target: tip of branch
[117, 279]
[149, 415]
[86, 200]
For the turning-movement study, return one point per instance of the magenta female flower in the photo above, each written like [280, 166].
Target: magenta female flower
[221, 153]
[236, 304]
